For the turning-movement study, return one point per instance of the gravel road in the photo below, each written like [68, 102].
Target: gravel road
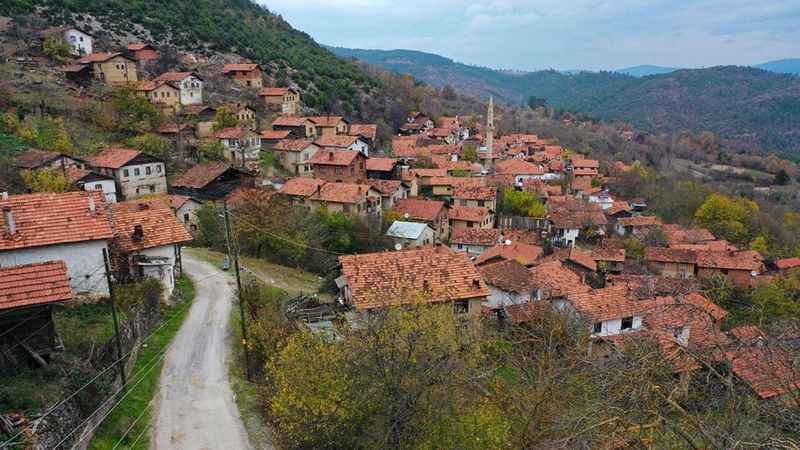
[195, 408]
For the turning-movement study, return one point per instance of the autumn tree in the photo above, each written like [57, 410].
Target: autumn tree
[46, 180]
[470, 153]
[132, 113]
[727, 217]
[224, 118]
[522, 203]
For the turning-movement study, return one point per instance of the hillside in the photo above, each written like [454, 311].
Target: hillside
[646, 70]
[753, 109]
[790, 66]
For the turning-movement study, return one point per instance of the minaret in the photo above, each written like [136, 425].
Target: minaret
[489, 135]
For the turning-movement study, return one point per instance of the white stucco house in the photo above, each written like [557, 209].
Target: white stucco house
[136, 174]
[189, 84]
[147, 242]
[73, 227]
[185, 209]
[93, 181]
[410, 234]
[343, 142]
[607, 312]
[509, 284]
[80, 42]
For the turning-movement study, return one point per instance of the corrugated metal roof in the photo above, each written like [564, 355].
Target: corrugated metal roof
[406, 230]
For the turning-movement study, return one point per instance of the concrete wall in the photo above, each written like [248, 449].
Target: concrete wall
[133, 186]
[471, 250]
[191, 91]
[109, 188]
[499, 298]
[84, 260]
[614, 327]
[116, 71]
[80, 42]
[164, 273]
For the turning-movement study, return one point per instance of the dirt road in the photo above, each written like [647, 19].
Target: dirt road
[195, 408]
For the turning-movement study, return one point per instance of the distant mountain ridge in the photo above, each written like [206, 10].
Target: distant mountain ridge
[753, 108]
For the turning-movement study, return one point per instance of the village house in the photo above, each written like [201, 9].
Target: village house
[391, 191]
[147, 241]
[298, 190]
[80, 41]
[211, 181]
[28, 294]
[339, 166]
[483, 196]
[607, 312]
[470, 217]
[740, 267]
[271, 137]
[521, 170]
[92, 181]
[329, 125]
[443, 135]
[416, 123]
[202, 116]
[182, 136]
[244, 114]
[35, 159]
[678, 235]
[301, 127]
[382, 168]
[137, 174]
[787, 265]
[426, 175]
[412, 181]
[612, 258]
[185, 209]
[144, 54]
[568, 220]
[575, 260]
[553, 281]
[295, 155]
[282, 100]
[474, 241]
[366, 131]
[242, 145]
[444, 186]
[73, 227]
[637, 225]
[432, 212]
[114, 69]
[509, 284]
[78, 74]
[587, 168]
[521, 252]
[246, 75]
[343, 142]
[164, 95]
[189, 84]
[407, 235]
[768, 369]
[671, 262]
[430, 275]
[348, 198]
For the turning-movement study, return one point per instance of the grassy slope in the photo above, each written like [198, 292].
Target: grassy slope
[143, 382]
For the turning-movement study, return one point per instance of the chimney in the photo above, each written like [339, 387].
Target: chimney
[138, 233]
[11, 224]
[92, 207]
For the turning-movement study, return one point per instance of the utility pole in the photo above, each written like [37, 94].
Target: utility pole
[112, 300]
[233, 255]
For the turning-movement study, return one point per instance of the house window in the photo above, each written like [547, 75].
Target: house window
[98, 187]
[627, 323]
[481, 203]
[460, 246]
[158, 168]
[125, 173]
[598, 327]
[469, 224]
[136, 172]
[148, 170]
[152, 188]
[461, 306]
[338, 171]
[186, 217]
[463, 202]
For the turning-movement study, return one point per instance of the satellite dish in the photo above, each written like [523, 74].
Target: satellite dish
[508, 241]
[398, 246]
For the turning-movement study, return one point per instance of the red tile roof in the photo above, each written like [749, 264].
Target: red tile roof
[418, 209]
[639, 221]
[336, 141]
[585, 163]
[517, 166]
[428, 275]
[50, 219]
[386, 187]
[527, 312]
[113, 158]
[273, 91]
[367, 130]
[787, 263]
[74, 174]
[246, 67]
[432, 173]
[341, 193]
[199, 176]
[176, 201]
[677, 234]
[607, 303]
[486, 237]
[669, 255]
[33, 284]
[508, 276]
[555, 280]
[136, 46]
[174, 76]
[618, 207]
[475, 193]
[232, 133]
[275, 134]
[581, 258]
[157, 221]
[301, 186]
[743, 260]
[99, 57]
[334, 157]
[468, 213]
[769, 371]
[326, 121]
[608, 254]
[381, 164]
[33, 158]
[456, 181]
[293, 145]
[525, 254]
[289, 121]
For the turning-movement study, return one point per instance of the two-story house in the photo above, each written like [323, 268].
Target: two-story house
[189, 84]
[482, 196]
[35, 159]
[164, 95]
[329, 125]
[382, 168]
[282, 100]
[137, 174]
[80, 41]
[295, 155]
[432, 212]
[475, 241]
[88, 180]
[348, 198]
[211, 181]
[298, 190]
[114, 69]
[241, 144]
[244, 74]
[299, 126]
[143, 54]
[391, 191]
[343, 142]
[470, 217]
[245, 115]
[339, 166]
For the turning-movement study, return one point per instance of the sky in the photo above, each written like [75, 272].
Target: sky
[559, 34]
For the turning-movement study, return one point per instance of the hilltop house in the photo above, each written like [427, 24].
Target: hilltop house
[382, 168]
[164, 95]
[241, 144]
[35, 159]
[28, 294]
[189, 84]
[246, 75]
[339, 166]
[73, 227]
[211, 181]
[410, 234]
[301, 127]
[295, 155]
[431, 212]
[202, 116]
[329, 125]
[143, 54]
[136, 173]
[521, 252]
[114, 69]
[366, 131]
[147, 241]
[431, 275]
[80, 41]
[343, 142]
[281, 99]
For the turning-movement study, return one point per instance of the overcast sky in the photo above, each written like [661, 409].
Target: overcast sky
[559, 34]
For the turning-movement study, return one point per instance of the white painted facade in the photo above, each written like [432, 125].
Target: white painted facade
[471, 250]
[191, 89]
[109, 188]
[141, 179]
[604, 328]
[79, 42]
[499, 298]
[160, 265]
[187, 214]
[84, 260]
[360, 146]
[566, 236]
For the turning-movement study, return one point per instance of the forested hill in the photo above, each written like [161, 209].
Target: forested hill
[236, 26]
[753, 109]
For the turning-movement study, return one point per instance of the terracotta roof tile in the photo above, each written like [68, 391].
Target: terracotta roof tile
[381, 164]
[769, 371]
[486, 237]
[33, 158]
[34, 284]
[50, 219]
[787, 263]
[418, 209]
[585, 163]
[608, 254]
[232, 133]
[275, 134]
[742, 260]
[326, 121]
[158, 224]
[334, 157]
[639, 221]
[301, 186]
[386, 187]
[456, 181]
[293, 145]
[201, 175]
[517, 166]
[468, 213]
[525, 254]
[175, 76]
[113, 158]
[242, 67]
[273, 91]
[670, 255]
[336, 141]
[475, 193]
[366, 130]
[432, 173]
[99, 57]
[429, 274]
[289, 121]
[607, 303]
[555, 280]
[341, 193]
[508, 276]
[527, 312]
